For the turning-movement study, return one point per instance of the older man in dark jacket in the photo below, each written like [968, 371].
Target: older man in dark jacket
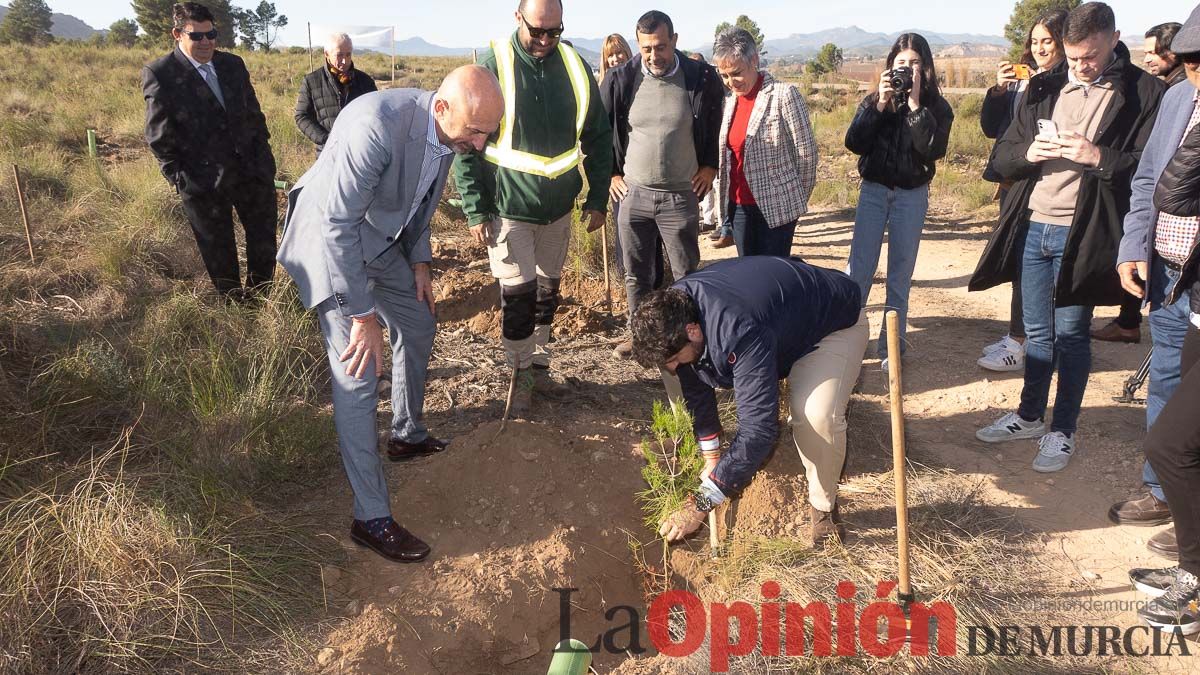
[1062, 221]
[746, 324]
[205, 127]
[1153, 252]
[1173, 444]
[328, 89]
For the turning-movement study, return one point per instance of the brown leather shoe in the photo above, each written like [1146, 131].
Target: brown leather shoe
[1111, 332]
[724, 242]
[396, 543]
[1164, 544]
[826, 526]
[1146, 510]
[402, 451]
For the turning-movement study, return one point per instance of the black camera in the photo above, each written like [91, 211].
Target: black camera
[901, 80]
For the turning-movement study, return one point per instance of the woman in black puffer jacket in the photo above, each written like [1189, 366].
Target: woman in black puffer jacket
[899, 138]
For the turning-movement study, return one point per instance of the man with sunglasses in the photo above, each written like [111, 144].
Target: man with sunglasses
[519, 196]
[205, 127]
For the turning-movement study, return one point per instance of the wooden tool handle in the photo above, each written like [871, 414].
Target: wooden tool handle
[895, 398]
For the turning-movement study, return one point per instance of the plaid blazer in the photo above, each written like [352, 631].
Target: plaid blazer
[780, 152]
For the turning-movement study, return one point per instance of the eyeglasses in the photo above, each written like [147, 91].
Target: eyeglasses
[197, 36]
[539, 33]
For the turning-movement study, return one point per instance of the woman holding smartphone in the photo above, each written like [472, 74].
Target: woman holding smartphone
[899, 135]
[1043, 53]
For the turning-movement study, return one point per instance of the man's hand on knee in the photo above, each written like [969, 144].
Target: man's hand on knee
[366, 346]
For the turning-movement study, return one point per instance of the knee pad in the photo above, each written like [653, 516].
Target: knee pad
[518, 306]
[547, 300]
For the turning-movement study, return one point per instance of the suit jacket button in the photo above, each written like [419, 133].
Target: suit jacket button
[389, 238]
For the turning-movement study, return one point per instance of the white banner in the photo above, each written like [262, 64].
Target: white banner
[381, 38]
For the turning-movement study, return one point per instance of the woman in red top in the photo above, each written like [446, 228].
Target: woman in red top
[768, 153]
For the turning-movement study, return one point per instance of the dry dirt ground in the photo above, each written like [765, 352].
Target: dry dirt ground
[550, 503]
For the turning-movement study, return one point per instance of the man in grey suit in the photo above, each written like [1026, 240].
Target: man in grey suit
[357, 245]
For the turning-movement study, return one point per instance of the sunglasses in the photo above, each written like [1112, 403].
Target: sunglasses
[539, 33]
[197, 36]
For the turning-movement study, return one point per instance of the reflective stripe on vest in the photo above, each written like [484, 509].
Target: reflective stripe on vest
[501, 153]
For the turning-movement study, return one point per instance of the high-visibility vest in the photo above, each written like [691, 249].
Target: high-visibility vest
[501, 152]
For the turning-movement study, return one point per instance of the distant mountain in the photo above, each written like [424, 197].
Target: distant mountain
[971, 50]
[588, 48]
[63, 26]
[415, 46]
[855, 41]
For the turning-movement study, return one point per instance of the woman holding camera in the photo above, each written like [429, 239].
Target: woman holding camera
[1043, 53]
[899, 132]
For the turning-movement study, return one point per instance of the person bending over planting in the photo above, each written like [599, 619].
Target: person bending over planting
[748, 323]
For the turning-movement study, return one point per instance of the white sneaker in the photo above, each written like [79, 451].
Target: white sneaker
[1054, 452]
[1008, 355]
[1010, 428]
[998, 344]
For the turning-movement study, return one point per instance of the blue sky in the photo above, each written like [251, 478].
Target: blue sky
[466, 23]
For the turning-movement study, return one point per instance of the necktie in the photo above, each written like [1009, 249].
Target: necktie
[210, 78]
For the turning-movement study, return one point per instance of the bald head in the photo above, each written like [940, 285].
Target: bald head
[467, 108]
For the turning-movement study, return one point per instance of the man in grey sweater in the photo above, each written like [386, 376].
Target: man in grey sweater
[666, 112]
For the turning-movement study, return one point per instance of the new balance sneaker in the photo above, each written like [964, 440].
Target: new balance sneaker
[1054, 452]
[1011, 428]
[1153, 582]
[1176, 608]
[1008, 356]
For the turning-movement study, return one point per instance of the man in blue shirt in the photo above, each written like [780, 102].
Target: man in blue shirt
[745, 324]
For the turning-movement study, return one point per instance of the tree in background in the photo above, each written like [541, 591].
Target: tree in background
[828, 60]
[122, 33]
[259, 27]
[1025, 12]
[750, 27]
[226, 22]
[27, 22]
[154, 16]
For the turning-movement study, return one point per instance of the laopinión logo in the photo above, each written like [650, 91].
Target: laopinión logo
[882, 629]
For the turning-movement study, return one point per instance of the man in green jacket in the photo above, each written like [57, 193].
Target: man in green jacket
[519, 195]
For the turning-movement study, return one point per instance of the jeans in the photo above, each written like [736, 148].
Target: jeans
[1057, 337]
[1168, 327]
[902, 213]
[660, 270]
[651, 216]
[753, 236]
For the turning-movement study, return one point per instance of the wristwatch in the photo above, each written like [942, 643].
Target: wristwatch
[702, 503]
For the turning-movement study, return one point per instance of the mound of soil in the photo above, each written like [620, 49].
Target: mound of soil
[467, 294]
[509, 520]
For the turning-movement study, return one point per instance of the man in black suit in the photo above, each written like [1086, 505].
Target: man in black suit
[328, 89]
[205, 126]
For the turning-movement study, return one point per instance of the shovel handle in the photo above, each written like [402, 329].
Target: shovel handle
[896, 399]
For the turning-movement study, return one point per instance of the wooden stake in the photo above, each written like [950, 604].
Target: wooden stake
[604, 253]
[896, 392]
[310, 54]
[24, 214]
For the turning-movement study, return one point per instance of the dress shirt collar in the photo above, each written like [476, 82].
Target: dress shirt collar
[674, 69]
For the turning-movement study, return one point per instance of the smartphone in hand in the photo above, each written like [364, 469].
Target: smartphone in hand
[1047, 130]
[1022, 71]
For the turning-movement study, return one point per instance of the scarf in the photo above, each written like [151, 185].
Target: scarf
[342, 78]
